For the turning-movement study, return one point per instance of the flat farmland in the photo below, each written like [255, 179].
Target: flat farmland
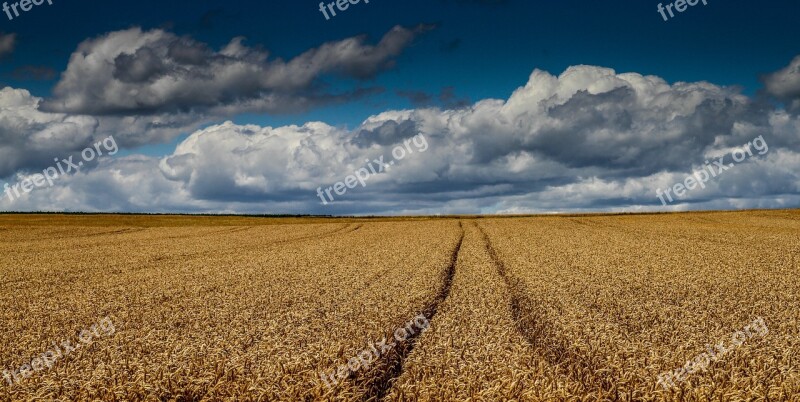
[695, 306]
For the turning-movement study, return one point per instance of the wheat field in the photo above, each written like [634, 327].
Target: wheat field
[539, 308]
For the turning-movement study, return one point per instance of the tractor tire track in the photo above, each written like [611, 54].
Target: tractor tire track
[313, 236]
[70, 234]
[346, 229]
[530, 318]
[113, 232]
[381, 381]
[230, 230]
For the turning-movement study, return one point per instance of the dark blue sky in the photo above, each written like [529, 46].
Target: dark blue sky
[481, 50]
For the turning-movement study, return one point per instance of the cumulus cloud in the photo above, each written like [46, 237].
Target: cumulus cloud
[146, 87]
[132, 183]
[587, 139]
[136, 72]
[785, 84]
[30, 138]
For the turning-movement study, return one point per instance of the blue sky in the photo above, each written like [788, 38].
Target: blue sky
[490, 48]
[469, 50]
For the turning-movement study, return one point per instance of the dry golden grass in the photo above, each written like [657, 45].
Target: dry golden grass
[583, 308]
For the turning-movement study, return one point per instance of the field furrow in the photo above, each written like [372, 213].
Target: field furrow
[574, 308]
[385, 374]
[252, 314]
[625, 301]
[472, 350]
[530, 312]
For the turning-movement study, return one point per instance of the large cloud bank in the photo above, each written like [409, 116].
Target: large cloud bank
[588, 139]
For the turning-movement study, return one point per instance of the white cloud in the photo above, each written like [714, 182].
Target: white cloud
[30, 138]
[588, 139]
[148, 87]
[135, 72]
[784, 84]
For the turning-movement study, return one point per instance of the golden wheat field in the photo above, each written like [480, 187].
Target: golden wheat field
[676, 307]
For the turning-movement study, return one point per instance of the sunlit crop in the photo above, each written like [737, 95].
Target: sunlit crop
[584, 308]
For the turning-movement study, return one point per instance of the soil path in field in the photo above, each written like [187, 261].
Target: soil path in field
[530, 318]
[379, 385]
[472, 339]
